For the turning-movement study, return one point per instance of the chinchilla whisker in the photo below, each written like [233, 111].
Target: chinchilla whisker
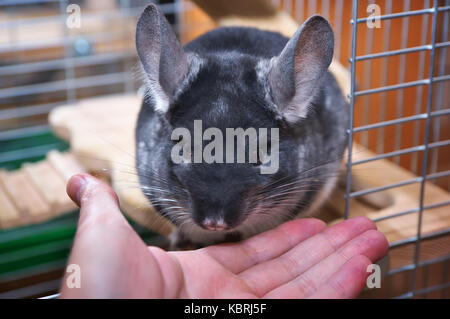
[84, 156]
[300, 180]
[160, 200]
[297, 177]
[147, 187]
[131, 184]
[112, 144]
[283, 190]
[320, 178]
[132, 169]
[169, 208]
[156, 193]
[159, 197]
[289, 192]
[153, 188]
[267, 206]
[171, 211]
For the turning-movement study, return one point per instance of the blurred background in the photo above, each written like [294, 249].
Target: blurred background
[45, 63]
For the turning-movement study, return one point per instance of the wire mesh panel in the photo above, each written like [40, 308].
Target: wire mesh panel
[429, 109]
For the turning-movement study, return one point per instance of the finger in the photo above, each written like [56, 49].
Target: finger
[171, 273]
[271, 274]
[347, 282]
[371, 244]
[77, 187]
[98, 202]
[111, 256]
[238, 257]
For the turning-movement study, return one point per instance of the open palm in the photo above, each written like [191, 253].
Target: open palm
[299, 259]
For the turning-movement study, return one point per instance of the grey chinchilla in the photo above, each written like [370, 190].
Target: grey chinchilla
[238, 77]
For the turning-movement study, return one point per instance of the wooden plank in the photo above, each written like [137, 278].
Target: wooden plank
[9, 215]
[37, 191]
[65, 164]
[24, 195]
[50, 185]
[11, 193]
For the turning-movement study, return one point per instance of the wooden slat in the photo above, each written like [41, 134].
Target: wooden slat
[25, 197]
[37, 191]
[50, 185]
[65, 164]
[9, 215]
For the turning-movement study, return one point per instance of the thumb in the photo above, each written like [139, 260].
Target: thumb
[105, 243]
[98, 203]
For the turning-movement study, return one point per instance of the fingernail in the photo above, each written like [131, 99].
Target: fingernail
[75, 187]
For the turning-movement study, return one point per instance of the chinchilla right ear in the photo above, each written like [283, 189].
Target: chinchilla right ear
[161, 55]
[295, 74]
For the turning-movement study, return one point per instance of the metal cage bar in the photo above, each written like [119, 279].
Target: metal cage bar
[439, 94]
[409, 150]
[406, 14]
[384, 78]
[367, 78]
[426, 140]
[401, 51]
[402, 120]
[402, 76]
[419, 89]
[352, 108]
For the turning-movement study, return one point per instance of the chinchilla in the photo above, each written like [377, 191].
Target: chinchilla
[230, 78]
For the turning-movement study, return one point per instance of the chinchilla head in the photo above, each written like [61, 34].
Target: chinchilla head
[200, 95]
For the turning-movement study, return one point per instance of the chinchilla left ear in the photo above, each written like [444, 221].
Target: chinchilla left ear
[295, 74]
[161, 55]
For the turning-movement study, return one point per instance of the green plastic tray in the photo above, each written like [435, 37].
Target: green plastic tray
[40, 248]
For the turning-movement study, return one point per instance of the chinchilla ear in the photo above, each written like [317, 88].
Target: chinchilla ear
[161, 55]
[295, 74]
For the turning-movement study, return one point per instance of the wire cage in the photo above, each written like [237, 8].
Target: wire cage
[399, 98]
[429, 111]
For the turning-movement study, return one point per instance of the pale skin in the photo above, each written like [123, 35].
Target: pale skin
[299, 259]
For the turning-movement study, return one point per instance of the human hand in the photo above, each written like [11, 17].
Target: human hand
[299, 259]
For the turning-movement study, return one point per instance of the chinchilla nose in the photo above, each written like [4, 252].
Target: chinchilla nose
[213, 224]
